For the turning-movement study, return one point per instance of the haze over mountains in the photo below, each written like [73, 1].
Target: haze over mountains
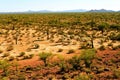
[78, 10]
[75, 10]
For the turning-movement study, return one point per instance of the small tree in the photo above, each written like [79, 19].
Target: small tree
[17, 35]
[92, 23]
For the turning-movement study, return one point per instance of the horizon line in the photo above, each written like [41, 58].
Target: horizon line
[45, 10]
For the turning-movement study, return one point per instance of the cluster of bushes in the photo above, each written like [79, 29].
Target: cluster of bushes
[115, 36]
[77, 62]
[78, 67]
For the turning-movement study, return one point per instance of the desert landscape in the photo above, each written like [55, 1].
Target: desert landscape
[60, 46]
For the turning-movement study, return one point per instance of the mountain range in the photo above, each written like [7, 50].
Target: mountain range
[101, 10]
[75, 10]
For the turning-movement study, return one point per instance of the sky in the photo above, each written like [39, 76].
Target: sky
[57, 5]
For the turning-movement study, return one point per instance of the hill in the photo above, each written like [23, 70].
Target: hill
[101, 10]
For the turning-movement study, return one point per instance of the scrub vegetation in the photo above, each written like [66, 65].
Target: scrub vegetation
[66, 46]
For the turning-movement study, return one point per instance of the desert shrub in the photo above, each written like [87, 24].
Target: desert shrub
[70, 51]
[43, 56]
[87, 70]
[102, 27]
[31, 56]
[59, 58]
[87, 56]
[21, 54]
[28, 56]
[87, 45]
[11, 58]
[115, 47]
[25, 57]
[6, 54]
[110, 44]
[9, 48]
[4, 65]
[115, 27]
[27, 69]
[116, 73]
[4, 78]
[118, 53]
[114, 36]
[63, 66]
[66, 76]
[60, 50]
[82, 76]
[12, 77]
[117, 37]
[75, 62]
[102, 47]
[1, 51]
[28, 49]
[21, 77]
[83, 47]
[15, 65]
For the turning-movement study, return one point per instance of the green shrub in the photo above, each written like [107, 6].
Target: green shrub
[116, 73]
[6, 54]
[31, 56]
[25, 57]
[59, 58]
[102, 47]
[63, 66]
[21, 54]
[75, 62]
[83, 46]
[60, 50]
[110, 44]
[43, 56]
[9, 48]
[21, 77]
[116, 47]
[11, 58]
[115, 27]
[70, 51]
[114, 36]
[28, 56]
[87, 56]
[1, 51]
[4, 65]
[82, 77]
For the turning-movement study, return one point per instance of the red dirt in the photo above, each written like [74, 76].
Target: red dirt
[30, 62]
[106, 55]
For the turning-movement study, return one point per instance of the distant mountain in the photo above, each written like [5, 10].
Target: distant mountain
[76, 10]
[44, 11]
[41, 11]
[101, 10]
[48, 11]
